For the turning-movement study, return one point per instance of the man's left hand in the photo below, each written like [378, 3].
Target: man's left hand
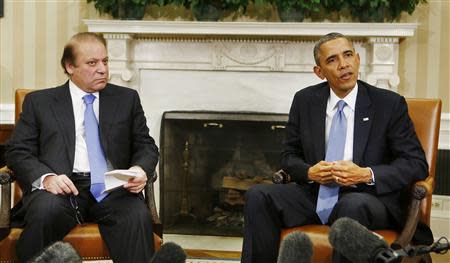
[138, 183]
[347, 173]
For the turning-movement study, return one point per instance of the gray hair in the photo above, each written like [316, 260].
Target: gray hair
[324, 39]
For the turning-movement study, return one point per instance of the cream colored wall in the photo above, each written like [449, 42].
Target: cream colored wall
[33, 33]
[424, 58]
[32, 36]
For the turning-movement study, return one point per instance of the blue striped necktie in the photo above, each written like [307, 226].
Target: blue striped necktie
[329, 193]
[97, 160]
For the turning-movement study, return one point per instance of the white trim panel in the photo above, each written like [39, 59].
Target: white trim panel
[444, 133]
[6, 113]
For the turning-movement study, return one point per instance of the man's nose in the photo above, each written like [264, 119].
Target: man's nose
[343, 63]
[102, 68]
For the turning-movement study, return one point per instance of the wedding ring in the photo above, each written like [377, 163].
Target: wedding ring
[337, 179]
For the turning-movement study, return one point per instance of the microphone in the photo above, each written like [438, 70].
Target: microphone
[295, 248]
[169, 253]
[359, 244]
[58, 252]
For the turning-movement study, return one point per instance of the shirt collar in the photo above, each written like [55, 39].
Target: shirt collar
[77, 93]
[350, 99]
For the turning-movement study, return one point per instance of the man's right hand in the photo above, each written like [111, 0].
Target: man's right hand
[59, 184]
[321, 172]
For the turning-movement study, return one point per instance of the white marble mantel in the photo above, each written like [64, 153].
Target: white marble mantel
[234, 66]
[251, 28]
[379, 43]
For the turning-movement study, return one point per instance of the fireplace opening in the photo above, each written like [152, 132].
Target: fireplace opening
[208, 161]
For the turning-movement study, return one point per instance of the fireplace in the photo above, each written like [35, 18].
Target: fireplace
[228, 67]
[208, 161]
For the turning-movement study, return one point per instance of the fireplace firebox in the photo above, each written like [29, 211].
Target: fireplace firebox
[208, 161]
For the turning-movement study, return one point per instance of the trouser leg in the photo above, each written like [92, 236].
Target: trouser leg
[364, 208]
[48, 219]
[268, 208]
[126, 226]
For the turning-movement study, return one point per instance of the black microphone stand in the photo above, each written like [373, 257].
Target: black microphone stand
[393, 256]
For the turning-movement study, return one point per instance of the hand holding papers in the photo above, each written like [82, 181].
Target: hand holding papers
[117, 178]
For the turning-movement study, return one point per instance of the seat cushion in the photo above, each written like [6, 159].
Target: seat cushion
[85, 239]
[322, 250]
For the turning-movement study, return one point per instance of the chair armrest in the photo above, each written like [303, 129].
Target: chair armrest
[150, 198]
[5, 206]
[418, 192]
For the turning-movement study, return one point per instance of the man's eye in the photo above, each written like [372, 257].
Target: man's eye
[91, 63]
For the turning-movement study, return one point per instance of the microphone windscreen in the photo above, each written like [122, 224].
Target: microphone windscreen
[296, 247]
[169, 253]
[355, 241]
[58, 252]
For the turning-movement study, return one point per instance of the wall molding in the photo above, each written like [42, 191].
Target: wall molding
[250, 28]
[444, 132]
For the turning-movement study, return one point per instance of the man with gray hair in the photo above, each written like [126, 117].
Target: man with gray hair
[350, 148]
[67, 137]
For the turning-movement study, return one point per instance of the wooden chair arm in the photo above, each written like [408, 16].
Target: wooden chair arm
[5, 206]
[418, 192]
[150, 198]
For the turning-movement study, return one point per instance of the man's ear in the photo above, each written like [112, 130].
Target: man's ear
[318, 72]
[69, 68]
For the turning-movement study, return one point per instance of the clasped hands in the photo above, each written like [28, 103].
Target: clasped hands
[344, 173]
[62, 185]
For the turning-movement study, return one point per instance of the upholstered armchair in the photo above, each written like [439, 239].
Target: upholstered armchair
[425, 114]
[85, 239]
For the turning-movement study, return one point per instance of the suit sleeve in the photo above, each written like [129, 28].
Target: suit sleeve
[292, 157]
[144, 150]
[407, 162]
[23, 147]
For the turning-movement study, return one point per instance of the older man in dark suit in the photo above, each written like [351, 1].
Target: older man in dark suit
[350, 147]
[65, 140]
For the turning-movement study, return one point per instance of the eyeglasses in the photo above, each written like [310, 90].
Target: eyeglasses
[74, 205]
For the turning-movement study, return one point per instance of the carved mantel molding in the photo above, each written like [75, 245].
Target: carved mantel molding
[244, 46]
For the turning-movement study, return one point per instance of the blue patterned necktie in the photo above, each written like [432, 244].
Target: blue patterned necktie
[97, 160]
[328, 194]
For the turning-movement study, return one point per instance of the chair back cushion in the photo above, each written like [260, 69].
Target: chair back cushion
[426, 116]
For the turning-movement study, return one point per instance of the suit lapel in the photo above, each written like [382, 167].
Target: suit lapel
[364, 115]
[107, 110]
[63, 111]
[318, 108]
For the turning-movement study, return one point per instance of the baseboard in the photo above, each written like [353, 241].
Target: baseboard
[440, 216]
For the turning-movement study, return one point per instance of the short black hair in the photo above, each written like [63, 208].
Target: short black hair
[324, 39]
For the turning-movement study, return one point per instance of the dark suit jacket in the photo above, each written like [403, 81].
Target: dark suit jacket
[44, 138]
[384, 140]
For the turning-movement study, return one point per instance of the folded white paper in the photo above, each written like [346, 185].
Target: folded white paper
[117, 178]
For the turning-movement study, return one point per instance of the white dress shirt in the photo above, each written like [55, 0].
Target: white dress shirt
[81, 159]
[349, 112]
